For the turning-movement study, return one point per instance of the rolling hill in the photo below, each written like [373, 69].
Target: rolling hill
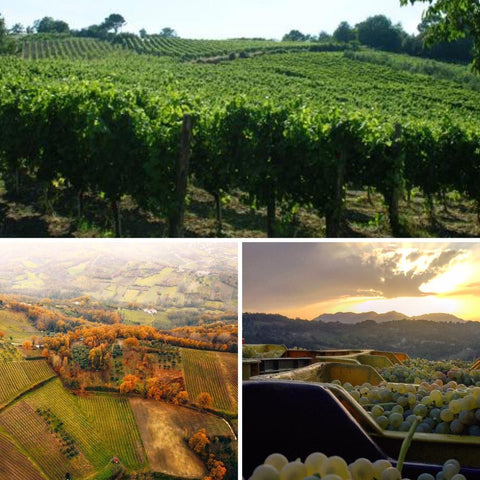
[352, 318]
[185, 276]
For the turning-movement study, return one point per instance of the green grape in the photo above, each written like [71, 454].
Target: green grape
[457, 427]
[455, 406]
[450, 469]
[331, 476]
[405, 426]
[293, 471]
[276, 460]
[336, 465]
[391, 473]
[379, 466]
[420, 410]
[436, 396]
[377, 410]
[443, 428]
[362, 469]
[469, 402]
[447, 415]
[454, 461]
[382, 421]
[475, 392]
[265, 472]
[425, 476]
[397, 409]
[314, 462]
[467, 417]
[395, 420]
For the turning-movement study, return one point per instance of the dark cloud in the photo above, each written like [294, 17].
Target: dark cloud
[289, 275]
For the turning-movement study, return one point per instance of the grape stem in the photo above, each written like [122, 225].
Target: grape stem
[406, 444]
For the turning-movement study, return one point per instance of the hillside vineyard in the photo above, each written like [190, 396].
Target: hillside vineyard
[289, 129]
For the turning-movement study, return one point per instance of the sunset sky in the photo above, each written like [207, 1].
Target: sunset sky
[307, 279]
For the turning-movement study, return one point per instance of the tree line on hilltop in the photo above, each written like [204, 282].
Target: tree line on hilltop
[417, 338]
[445, 33]
[380, 33]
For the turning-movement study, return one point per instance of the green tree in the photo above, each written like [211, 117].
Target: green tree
[114, 21]
[453, 19]
[7, 44]
[344, 33]
[49, 25]
[17, 29]
[168, 32]
[323, 36]
[378, 32]
[294, 36]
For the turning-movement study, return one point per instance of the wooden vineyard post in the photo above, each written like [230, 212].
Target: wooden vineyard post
[333, 216]
[178, 214]
[395, 187]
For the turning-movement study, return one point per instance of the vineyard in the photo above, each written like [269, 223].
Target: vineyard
[32, 48]
[214, 373]
[14, 463]
[36, 47]
[188, 49]
[113, 418]
[16, 326]
[283, 134]
[19, 377]
[33, 434]
[72, 434]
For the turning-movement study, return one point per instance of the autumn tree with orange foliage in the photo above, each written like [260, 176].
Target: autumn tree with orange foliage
[167, 386]
[204, 400]
[27, 345]
[99, 357]
[217, 469]
[131, 342]
[199, 441]
[181, 398]
[129, 384]
[2, 335]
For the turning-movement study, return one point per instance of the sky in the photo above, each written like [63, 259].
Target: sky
[305, 280]
[177, 252]
[215, 19]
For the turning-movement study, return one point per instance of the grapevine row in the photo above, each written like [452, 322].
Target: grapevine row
[71, 48]
[89, 137]
[203, 374]
[18, 377]
[28, 428]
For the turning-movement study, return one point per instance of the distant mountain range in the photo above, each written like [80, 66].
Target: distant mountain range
[351, 318]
